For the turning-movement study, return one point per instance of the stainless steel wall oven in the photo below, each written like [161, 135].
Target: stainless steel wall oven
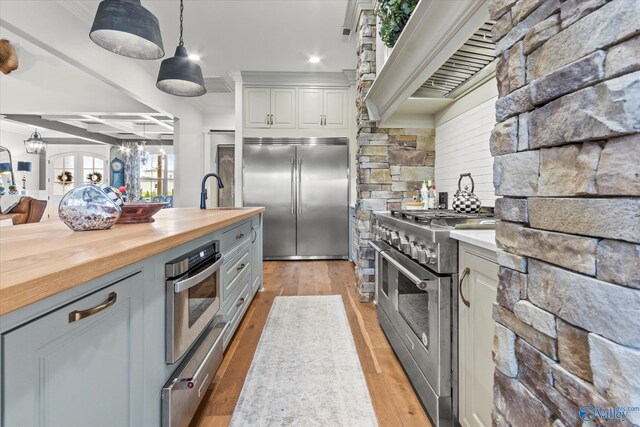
[192, 297]
[194, 331]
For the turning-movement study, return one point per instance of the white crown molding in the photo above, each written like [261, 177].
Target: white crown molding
[352, 14]
[294, 78]
[435, 30]
[351, 76]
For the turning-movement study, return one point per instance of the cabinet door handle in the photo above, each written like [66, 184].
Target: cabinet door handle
[266, 119]
[465, 273]
[240, 302]
[239, 236]
[293, 186]
[254, 234]
[270, 119]
[321, 116]
[325, 119]
[76, 315]
[299, 187]
[241, 266]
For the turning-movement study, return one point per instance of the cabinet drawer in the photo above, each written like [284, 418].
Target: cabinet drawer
[237, 308]
[234, 267]
[233, 238]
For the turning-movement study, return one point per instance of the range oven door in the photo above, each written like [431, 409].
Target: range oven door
[421, 314]
[383, 290]
[192, 302]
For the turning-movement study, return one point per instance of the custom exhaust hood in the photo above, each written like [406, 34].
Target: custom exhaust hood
[468, 61]
[444, 51]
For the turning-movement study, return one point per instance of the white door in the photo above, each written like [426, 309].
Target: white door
[476, 328]
[70, 170]
[62, 178]
[310, 108]
[257, 101]
[283, 108]
[335, 108]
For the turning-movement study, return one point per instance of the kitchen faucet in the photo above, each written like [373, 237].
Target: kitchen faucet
[203, 191]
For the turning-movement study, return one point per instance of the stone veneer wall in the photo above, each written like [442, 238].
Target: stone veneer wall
[391, 163]
[567, 165]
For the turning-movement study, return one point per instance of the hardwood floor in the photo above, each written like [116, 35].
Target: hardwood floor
[394, 401]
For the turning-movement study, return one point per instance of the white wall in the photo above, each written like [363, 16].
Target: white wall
[462, 145]
[32, 21]
[15, 143]
[225, 121]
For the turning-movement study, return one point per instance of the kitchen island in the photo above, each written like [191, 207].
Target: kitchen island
[108, 366]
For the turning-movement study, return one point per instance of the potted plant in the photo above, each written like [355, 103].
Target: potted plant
[393, 15]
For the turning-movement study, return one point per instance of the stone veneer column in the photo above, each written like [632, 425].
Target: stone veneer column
[567, 163]
[391, 163]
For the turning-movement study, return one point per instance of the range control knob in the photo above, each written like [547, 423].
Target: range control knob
[422, 255]
[415, 248]
[432, 256]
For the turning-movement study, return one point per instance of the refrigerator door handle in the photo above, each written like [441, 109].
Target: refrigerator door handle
[293, 186]
[299, 198]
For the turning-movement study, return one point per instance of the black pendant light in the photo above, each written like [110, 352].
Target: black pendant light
[179, 75]
[126, 28]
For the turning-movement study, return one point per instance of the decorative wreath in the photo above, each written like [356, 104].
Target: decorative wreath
[95, 177]
[65, 177]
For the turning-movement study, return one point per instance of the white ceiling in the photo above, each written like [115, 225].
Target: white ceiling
[250, 35]
[228, 35]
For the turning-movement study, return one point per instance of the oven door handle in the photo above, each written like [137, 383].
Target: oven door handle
[424, 285]
[379, 246]
[183, 285]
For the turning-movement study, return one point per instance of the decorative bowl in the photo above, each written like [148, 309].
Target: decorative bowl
[88, 207]
[136, 213]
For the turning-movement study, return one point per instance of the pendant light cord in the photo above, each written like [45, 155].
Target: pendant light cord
[181, 10]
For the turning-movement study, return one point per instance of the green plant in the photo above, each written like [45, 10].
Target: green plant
[393, 15]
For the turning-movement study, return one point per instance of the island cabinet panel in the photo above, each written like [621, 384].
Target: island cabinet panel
[80, 365]
[478, 286]
[256, 253]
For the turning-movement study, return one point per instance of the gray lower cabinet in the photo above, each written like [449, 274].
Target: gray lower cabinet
[80, 365]
[99, 360]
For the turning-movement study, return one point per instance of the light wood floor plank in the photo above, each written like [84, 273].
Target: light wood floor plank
[393, 398]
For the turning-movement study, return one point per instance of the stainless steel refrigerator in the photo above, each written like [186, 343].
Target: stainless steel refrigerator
[304, 185]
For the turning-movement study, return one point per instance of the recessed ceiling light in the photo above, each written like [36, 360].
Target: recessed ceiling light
[314, 59]
[194, 57]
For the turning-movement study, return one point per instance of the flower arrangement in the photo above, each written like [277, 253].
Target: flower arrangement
[65, 177]
[393, 15]
[94, 177]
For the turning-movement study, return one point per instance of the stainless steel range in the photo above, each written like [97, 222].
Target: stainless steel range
[416, 294]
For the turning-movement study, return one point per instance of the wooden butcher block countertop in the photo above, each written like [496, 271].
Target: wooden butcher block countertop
[41, 260]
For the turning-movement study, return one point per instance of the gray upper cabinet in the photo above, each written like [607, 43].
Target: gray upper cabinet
[80, 365]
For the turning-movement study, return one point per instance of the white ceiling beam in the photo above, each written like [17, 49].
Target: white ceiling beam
[158, 122]
[118, 125]
[111, 127]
